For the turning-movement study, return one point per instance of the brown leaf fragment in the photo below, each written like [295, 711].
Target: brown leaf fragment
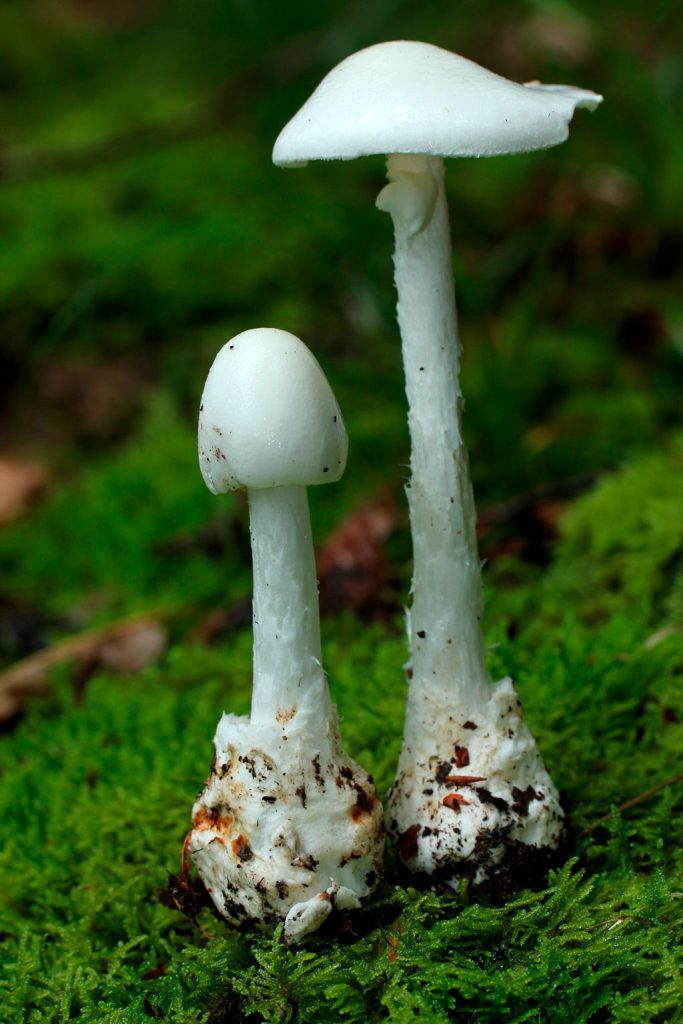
[527, 525]
[152, 1010]
[21, 485]
[241, 848]
[352, 565]
[407, 842]
[128, 645]
[132, 650]
[455, 801]
[462, 756]
[222, 621]
[98, 398]
[633, 802]
[463, 780]
[185, 894]
[213, 540]
[105, 15]
[155, 972]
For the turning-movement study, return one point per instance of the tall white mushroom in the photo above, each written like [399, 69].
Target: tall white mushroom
[471, 785]
[287, 826]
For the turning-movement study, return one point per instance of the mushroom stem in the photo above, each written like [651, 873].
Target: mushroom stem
[288, 674]
[445, 619]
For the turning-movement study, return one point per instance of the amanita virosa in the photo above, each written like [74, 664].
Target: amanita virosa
[287, 826]
[472, 796]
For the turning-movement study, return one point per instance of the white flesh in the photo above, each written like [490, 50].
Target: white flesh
[285, 830]
[288, 673]
[446, 642]
[450, 684]
[471, 789]
[287, 827]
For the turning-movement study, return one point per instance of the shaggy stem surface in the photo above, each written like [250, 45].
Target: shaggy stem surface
[445, 622]
[288, 672]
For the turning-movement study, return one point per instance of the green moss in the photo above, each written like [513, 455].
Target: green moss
[95, 799]
[97, 547]
[633, 528]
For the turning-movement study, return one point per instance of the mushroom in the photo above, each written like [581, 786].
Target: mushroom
[418, 103]
[287, 826]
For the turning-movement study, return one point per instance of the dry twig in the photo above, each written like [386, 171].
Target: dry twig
[128, 645]
[641, 798]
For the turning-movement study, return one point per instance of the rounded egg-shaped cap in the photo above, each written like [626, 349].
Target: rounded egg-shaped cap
[409, 97]
[268, 417]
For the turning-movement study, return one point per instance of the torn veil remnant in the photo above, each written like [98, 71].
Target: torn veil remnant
[416, 104]
[287, 826]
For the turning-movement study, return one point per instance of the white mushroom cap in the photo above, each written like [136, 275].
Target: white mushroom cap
[268, 417]
[408, 97]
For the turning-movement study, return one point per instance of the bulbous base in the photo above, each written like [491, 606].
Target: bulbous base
[472, 796]
[285, 831]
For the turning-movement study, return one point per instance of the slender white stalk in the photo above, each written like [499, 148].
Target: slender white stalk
[471, 790]
[287, 827]
[288, 673]
[445, 620]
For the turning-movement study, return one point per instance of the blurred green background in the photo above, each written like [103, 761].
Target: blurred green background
[142, 224]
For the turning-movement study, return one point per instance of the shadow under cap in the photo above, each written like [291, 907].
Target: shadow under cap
[411, 97]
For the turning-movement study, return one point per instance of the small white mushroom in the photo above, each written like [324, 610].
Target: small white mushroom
[287, 827]
[418, 103]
